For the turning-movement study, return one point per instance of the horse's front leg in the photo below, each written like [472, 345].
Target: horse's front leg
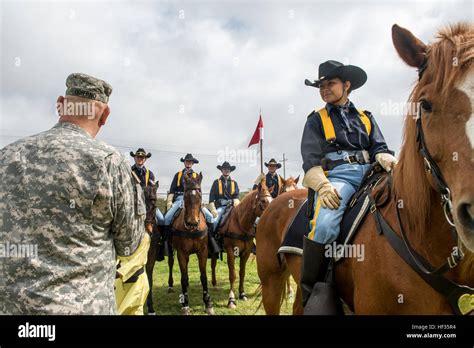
[205, 291]
[183, 260]
[231, 264]
[170, 270]
[213, 268]
[150, 264]
[243, 262]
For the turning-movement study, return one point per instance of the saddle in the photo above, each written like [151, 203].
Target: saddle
[354, 215]
[225, 215]
[175, 215]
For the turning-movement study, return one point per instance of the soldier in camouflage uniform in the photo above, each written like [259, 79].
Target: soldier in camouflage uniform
[72, 196]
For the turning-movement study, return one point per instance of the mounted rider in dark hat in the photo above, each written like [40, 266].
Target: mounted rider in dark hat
[174, 199]
[146, 177]
[339, 142]
[224, 191]
[271, 178]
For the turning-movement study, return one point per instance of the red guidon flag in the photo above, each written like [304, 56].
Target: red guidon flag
[258, 135]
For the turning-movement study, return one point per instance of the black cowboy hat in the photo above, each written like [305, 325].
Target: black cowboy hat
[272, 161]
[189, 157]
[226, 165]
[140, 152]
[331, 69]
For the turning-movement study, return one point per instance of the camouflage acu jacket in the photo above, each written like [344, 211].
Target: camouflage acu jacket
[73, 197]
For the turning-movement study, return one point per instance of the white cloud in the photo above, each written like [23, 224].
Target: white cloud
[222, 62]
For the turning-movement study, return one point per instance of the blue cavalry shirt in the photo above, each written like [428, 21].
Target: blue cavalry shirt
[351, 134]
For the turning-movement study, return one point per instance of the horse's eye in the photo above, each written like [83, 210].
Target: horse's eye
[425, 106]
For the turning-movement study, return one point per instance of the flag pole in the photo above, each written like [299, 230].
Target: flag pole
[261, 145]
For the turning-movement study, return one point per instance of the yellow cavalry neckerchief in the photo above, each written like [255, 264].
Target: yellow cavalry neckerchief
[328, 126]
[180, 174]
[232, 187]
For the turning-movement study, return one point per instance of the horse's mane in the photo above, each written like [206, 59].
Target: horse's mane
[450, 57]
[454, 42]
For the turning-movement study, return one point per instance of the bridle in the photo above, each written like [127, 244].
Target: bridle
[186, 225]
[459, 297]
[259, 204]
[440, 183]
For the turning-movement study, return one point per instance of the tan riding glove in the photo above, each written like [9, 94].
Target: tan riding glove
[316, 180]
[386, 160]
[213, 210]
[259, 179]
[236, 202]
[169, 201]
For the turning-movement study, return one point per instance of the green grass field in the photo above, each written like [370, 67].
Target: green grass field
[167, 303]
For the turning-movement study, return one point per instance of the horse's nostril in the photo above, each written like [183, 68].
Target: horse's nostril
[466, 214]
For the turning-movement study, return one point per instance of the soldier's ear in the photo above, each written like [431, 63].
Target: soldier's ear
[104, 116]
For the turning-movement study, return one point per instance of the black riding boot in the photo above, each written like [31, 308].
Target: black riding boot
[317, 287]
[214, 247]
[157, 242]
[167, 251]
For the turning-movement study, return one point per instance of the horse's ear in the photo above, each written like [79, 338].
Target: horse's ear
[411, 49]
[297, 179]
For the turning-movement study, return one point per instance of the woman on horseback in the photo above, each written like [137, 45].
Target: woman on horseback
[338, 145]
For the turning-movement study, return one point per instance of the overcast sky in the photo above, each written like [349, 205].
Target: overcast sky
[191, 76]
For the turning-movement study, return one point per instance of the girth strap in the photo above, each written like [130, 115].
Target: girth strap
[238, 236]
[187, 234]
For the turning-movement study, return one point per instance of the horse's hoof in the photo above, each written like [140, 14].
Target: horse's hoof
[151, 313]
[210, 311]
[231, 304]
[186, 311]
[214, 284]
[243, 297]
[170, 290]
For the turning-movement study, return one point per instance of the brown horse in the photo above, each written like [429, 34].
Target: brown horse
[155, 245]
[238, 235]
[189, 236]
[384, 283]
[289, 184]
[155, 232]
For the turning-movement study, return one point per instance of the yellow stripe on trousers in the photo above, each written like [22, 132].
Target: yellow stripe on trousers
[313, 221]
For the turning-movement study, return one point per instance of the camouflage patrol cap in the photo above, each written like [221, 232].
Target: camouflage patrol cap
[86, 86]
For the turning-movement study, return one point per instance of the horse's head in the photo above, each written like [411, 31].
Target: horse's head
[290, 184]
[444, 121]
[264, 197]
[192, 201]
[150, 202]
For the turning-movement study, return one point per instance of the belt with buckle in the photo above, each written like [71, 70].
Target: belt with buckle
[360, 157]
